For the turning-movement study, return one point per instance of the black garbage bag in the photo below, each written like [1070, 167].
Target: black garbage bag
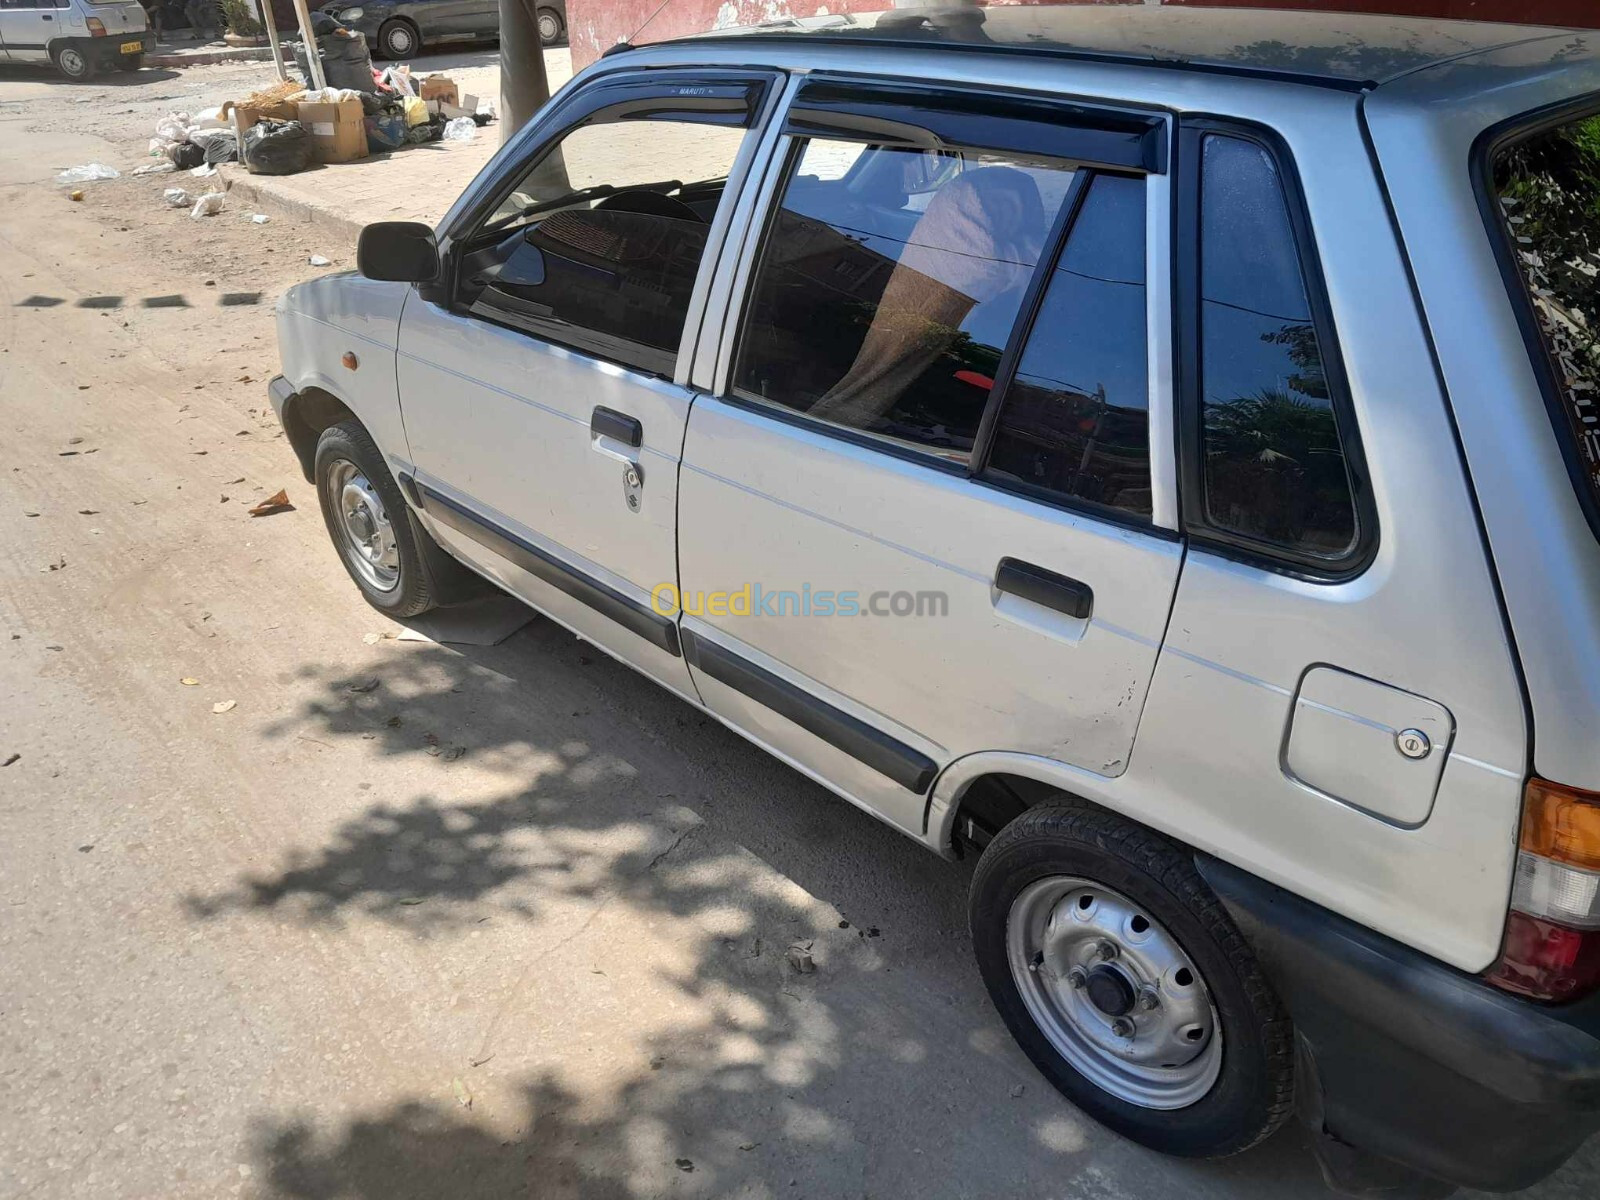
[346, 63]
[186, 155]
[222, 148]
[276, 148]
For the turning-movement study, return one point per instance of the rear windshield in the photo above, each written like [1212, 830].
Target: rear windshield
[1547, 187]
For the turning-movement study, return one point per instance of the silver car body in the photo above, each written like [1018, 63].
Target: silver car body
[1247, 712]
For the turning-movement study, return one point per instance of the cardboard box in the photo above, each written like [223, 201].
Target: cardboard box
[439, 87]
[338, 132]
[281, 110]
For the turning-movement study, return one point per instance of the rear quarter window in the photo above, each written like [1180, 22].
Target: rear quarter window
[1545, 193]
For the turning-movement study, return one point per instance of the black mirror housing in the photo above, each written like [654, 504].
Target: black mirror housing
[401, 251]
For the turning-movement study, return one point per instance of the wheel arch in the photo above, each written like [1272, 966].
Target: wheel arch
[979, 794]
[306, 415]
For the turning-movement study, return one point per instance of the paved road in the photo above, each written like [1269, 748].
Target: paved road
[303, 948]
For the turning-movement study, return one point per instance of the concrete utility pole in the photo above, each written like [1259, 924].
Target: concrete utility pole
[523, 86]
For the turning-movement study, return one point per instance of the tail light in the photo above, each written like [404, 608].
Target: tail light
[1552, 941]
[97, 27]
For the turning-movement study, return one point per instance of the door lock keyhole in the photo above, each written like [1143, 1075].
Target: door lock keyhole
[632, 485]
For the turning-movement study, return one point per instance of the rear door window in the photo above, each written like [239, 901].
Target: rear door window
[886, 292]
[1547, 189]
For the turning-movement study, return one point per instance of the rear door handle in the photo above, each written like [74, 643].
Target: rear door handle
[1059, 592]
[608, 422]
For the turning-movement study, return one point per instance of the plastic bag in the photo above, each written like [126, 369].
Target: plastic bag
[185, 155]
[176, 198]
[174, 127]
[416, 111]
[208, 205]
[156, 168]
[386, 131]
[210, 118]
[460, 129]
[88, 173]
[276, 148]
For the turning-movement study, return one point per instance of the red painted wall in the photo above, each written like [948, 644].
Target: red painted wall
[595, 24]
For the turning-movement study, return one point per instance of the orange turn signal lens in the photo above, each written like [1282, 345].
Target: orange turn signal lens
[1562, 824]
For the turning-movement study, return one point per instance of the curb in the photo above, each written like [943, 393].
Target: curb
[207, 57]
[257, 190]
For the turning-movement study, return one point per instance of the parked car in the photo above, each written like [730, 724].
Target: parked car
[80, 37]
[400, 28]
[1170, 475]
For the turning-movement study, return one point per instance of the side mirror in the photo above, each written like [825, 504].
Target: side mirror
[402, 251]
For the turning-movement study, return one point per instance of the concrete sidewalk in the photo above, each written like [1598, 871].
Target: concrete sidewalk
[418, 183]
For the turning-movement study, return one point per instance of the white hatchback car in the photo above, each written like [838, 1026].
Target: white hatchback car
[1173, 472]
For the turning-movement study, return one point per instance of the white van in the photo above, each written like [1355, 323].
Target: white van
[79, 36]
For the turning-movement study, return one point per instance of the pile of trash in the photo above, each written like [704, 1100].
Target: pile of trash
[286, 128]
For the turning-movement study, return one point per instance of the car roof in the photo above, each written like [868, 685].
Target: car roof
[1354, 51]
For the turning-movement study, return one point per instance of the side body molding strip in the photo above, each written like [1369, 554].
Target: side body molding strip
[598, 595]
[892, 758]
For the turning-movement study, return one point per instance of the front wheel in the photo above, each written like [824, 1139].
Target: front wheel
[378, 541]
[74, 63]
[1123, 978]
[398, 39]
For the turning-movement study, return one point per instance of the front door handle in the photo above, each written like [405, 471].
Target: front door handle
[1059, 592]
[619, 436]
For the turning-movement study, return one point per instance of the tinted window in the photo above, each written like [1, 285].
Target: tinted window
[1548, 188]
[1274, 467]
[887, 290]
[1076, 419]
[599, 244]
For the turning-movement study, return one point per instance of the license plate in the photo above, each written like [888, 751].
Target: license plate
[130, 48]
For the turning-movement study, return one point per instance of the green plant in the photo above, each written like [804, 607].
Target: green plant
[240, 17]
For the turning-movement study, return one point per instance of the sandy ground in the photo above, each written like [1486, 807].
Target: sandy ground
[305, 949]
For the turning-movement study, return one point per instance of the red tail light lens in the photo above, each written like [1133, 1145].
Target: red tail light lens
[97, 27]
[1552, 940]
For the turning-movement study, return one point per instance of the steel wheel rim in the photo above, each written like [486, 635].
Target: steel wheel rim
[548, 29]
[1077, 952]
[366, 536]
[72, 62]
[400, 40]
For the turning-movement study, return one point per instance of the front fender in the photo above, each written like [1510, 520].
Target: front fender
[323, 320]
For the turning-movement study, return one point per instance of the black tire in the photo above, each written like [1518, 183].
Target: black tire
[551, 27]
[399, 39]
[428, 576]
[1254, 1090]
[130, 62]
[74, 63]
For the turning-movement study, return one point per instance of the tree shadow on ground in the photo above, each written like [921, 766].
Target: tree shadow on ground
[677, 885]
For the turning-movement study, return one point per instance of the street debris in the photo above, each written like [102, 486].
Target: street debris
[463, 1094]
[684, 1164]
[75, 194]
[1017, 1091]
[156, 168]
[460, 129]
[10, 759]
[800, 958]
[366, 685]
[258, 218]
[411, 901]
[222, 706]
[189, 682]
[276, 503]
[87, 173]
[208, 205]
[175, 198]
[316, 260]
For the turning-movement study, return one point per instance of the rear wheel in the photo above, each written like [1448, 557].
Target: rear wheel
[551, 26]
[74, 63]
[1125, 981]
